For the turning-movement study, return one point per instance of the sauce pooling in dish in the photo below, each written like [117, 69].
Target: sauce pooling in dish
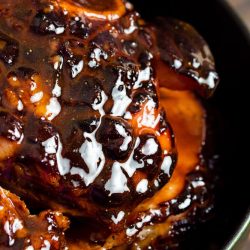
[86, 130]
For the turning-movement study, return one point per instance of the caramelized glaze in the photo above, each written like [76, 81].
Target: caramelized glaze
[85, 128]
[20, 230]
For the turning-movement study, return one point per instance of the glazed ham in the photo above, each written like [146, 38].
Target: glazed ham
[85, 128]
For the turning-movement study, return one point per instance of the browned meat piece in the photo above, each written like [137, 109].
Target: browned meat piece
[184, 201]
[83, 129]
[20, 230]
[80, 111]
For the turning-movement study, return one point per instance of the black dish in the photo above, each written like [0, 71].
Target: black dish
[230, 43]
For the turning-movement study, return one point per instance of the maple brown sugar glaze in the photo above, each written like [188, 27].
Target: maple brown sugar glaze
[100, 121]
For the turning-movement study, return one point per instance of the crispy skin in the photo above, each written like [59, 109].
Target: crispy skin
[20, 230]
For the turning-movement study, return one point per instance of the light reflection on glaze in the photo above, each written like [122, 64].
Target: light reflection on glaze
[148, 118]
[150, 147]
[132, 27]
[19, 105]
[97, 105]
[196, 64]
[185, 203]
[93, 156]
[198, 183]
[144, 75]
[11, 228]
[119, 95]
[91, 151]
[117, 184]
[127, 139]
[57, 30]
[46, 245]
[36, 97]
[130, 166]
[57, 90]
[166, 165]
[142, 186]
[96, 56]
[53, 108]
[16, 135]
[150, 161]
[132, 230]
[77, 69]
[29, 248]
[54, 146]
[210, 80]
[118, 218]
[177, 64]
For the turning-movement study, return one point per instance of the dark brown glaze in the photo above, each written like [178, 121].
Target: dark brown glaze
[187, 199]
[83, 127]
[20, 230]
[79, 98]
[186, 60]
[187, 196]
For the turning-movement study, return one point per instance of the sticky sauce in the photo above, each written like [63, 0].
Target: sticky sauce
[119, 95]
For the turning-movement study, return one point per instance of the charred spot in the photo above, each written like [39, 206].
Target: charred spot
[106, 42]
[49, 23]
[11, 127]
[9, 49]
[88, 125]
[180, 227]
[42, 132]
[42, 137]
[66, 49]
[87, 90]
[23, 73]
[115, 135]
[142, 97]
[76, 65]
[138, 100]
[145, 59]
[74, 61]
[78, 28]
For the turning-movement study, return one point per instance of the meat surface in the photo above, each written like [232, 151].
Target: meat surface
[82, 114]
[85, 128]
[20, 230]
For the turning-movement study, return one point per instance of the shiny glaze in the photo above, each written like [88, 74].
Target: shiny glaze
[182, 48]
[185, 200]
[83, 128]
[81, 93]
[20, 230]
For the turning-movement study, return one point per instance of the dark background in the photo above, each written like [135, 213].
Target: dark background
[242, 7]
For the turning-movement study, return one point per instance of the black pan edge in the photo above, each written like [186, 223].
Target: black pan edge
[243, 231]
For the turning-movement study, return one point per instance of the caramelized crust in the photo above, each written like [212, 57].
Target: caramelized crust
[85, 128]
[183, 51]
[105, 10]
[20, 230]
[85, 95]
